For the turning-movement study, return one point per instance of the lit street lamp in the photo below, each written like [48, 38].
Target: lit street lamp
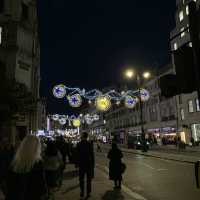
[139, 76]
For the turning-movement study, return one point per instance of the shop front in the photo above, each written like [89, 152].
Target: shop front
[196, 132]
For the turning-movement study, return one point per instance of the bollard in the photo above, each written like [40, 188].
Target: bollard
[197, 173]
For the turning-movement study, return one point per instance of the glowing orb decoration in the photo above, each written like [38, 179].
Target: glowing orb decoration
[55, 117]
[144, 95]
[103, 103]
[130, 101]
[62, 121]
[75, 100]
[59, 91]
[96, 117]
[76, 122]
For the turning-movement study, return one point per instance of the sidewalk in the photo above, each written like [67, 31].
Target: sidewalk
[102, 187]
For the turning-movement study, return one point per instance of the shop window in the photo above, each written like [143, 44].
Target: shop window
[182, 114]
[24, 11]
[190, 106]
[197, 105]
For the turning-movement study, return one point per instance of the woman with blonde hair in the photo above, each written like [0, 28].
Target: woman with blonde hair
[26, 179]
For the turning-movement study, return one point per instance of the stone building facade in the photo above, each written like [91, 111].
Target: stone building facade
[20, 54]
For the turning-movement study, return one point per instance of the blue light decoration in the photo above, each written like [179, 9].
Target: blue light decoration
[75, 95]
[144, 95]
[59, 91]
[130, 101]
[75, 100]
[88, 118]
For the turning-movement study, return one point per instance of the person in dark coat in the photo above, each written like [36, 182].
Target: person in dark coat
[115, 173]
[85, 161]
[26, 178]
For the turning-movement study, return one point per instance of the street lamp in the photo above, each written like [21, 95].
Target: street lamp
[139, 76]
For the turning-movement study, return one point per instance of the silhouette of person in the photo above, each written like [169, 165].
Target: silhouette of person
[115, 155]
[85, 161]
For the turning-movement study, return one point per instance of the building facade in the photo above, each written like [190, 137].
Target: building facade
[20, 54]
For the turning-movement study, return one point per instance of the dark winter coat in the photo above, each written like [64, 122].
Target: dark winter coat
[85, 156]
[27, 186]
[115, 156]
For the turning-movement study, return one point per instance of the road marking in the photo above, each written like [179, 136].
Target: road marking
[162, 169]
[149, 166]
[124, 188]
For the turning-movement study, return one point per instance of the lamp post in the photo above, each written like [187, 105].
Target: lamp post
[130, 74]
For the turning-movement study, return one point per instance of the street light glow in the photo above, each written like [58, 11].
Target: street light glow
[129, 73]
[146, 75]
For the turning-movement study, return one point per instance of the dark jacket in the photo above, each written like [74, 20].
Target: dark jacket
[27, 186]
[85, 155]
[115, 156]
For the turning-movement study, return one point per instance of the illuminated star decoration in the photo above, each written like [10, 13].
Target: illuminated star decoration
[59, 91]
[75, 100]
[130, 101]
[144, 95]
[102, 100]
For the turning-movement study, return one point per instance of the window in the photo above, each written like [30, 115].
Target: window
[190, 106]
[0, 34]
[197, 105]
[182, 32]
[190, 44]
[187, 10]
[24, 11]
[182, 114]
[175, 46]
[181, 16]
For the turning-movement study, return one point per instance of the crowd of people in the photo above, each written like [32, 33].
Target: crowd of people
[34, 170]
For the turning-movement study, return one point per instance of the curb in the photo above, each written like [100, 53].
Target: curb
[160, 157]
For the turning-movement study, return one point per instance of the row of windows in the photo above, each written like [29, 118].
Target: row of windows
[190, 108]
[181, 13]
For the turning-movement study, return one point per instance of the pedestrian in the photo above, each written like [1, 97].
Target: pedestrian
[54, 166]
[26, 178]
[98, 146]
[115, 165]
[6, 157]
[192, 141]
[85, 160]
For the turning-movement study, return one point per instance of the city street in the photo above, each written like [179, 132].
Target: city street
[156, 179]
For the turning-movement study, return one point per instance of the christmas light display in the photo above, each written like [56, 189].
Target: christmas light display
[63, 119]
[102, 100]
[103, 103]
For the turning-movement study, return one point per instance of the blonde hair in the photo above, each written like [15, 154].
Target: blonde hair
[28, 153]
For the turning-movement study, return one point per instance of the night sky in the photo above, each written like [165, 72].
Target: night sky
[88, 43]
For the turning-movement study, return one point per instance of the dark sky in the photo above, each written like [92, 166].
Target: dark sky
[88, 43]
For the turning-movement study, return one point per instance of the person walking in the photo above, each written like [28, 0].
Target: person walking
[54, 166]
[115, 165]
[85, 161]
[26, 178]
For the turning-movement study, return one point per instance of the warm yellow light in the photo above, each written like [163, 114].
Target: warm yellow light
[76, 122]
[146, 75]
[103, 103]
[129, 73]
